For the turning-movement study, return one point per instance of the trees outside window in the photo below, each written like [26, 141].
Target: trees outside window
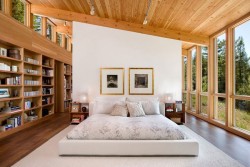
[220, 78]
[19, 10]
[37, 24]
[204, 81]
[242, 76]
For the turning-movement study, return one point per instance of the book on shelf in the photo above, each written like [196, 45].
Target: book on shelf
[169, 107]
[11, 80]
[30, 60]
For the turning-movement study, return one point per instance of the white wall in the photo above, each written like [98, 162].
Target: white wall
[95, 47]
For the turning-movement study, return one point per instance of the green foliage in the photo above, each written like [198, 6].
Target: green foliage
[18, 10]
[194, 69]
[204, 61]
[37, 23]
[185, 73]
[242, 68]
[221, 53]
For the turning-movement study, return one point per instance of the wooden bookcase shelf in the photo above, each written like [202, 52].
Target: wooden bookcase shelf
[35, 81]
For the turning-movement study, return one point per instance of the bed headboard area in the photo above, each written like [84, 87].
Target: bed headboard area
[105, 104]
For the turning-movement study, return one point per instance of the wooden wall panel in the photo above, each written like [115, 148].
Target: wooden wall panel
[13, 32]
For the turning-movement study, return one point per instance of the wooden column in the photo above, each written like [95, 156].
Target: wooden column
[198, 79]
[229, 78]
[7, 7]
[44, 26]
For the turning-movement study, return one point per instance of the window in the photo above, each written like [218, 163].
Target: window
[19, 10]
[66, 42]
[49, 30]
[220, 78]
[221, 63]
[59, 39]
[185, 72]
[204, 70]
[193, 54]
[242, 76]
[37, 23]
[204, 81]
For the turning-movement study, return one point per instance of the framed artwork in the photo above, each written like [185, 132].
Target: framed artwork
[141, 81]
[112, 81]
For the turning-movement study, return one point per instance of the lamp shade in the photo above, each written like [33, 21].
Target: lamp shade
[168, 98]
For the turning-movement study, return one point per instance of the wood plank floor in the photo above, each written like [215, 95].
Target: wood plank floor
[16, 146]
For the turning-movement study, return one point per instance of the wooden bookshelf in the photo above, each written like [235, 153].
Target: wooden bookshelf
[48, 74]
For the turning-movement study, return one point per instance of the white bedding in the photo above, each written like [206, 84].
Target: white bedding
[106, 127]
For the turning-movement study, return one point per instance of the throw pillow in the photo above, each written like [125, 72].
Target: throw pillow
[135, 109]
[119, 110]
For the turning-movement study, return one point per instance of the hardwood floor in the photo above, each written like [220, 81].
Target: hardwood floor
[234, 146]
[18, 145]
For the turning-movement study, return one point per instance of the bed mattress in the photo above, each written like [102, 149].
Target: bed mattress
[106, 127]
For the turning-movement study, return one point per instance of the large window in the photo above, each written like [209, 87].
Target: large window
[242, 76]
[204, 81]
[37, 23]
[19, 10]
[193, 80]
[220, 78]
[185, 72]
[59, 39]
[50, 30]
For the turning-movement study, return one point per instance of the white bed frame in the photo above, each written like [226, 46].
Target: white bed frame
[187, 147]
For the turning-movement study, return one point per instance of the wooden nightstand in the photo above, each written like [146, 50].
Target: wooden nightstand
[78, 112]
[177, 117]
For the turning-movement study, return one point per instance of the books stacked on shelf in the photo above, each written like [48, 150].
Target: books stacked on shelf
[77, 119]
[27, 104]
[31, 82]
[169, 107]
[46, 100]
[46, 62]
[66, 103]
[48, 91]
[67, 69]
[178, 105]
[4, 67]
[31, 93]
[14, 53]
[46, 81]
[29, 60]
[30, 71]
[11, 122]
[11, 80]
[48, 72]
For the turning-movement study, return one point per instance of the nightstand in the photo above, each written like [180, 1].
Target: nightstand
[177, 117]
[78, 112]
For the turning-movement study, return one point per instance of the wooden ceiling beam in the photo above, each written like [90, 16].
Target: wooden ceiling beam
[145, 29]
[64, 29]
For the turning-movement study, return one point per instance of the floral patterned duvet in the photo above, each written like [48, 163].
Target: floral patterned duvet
[106, 127]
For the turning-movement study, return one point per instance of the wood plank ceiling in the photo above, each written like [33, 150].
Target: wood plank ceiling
[199, 17]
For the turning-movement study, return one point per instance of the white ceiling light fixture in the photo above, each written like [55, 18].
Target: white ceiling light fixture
[146, 14]
[92, 8]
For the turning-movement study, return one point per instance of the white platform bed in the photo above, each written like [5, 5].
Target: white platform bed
[151, 135]
[187, 147]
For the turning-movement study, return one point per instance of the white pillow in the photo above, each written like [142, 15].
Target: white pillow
[142, 98]
[135, 109]
[104, 107]
[151, 107]
[120, 110]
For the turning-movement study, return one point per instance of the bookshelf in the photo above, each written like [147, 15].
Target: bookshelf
[48, 74]
[26, 88]
[67, 88]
